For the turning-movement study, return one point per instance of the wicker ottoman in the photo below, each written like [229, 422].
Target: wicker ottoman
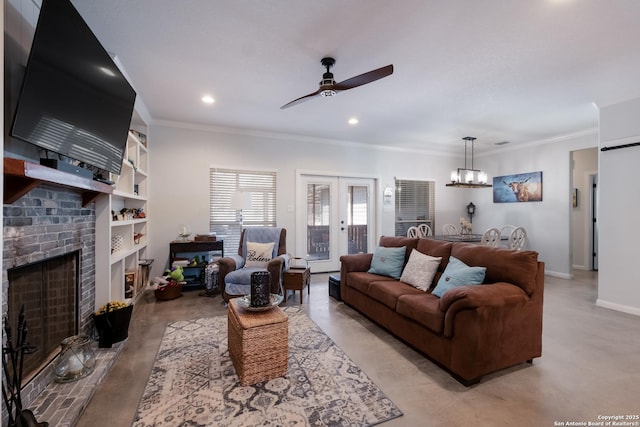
[258, 343]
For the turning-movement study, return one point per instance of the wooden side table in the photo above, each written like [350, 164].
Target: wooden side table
[258, 343]
[295, 279]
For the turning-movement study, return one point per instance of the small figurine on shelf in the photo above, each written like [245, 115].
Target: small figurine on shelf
[137, 237]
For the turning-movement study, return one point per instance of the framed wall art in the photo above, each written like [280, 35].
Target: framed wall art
[522, 187]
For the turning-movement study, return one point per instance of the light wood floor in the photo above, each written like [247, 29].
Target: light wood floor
[590, 365]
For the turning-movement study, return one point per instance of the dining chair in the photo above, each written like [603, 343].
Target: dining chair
[491, 237]
[517, 238]
[413, 232]
[507, 229]
[424, 230]
[449, 230]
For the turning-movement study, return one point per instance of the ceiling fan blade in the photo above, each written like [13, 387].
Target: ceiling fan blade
[365, 78]
[300, 100]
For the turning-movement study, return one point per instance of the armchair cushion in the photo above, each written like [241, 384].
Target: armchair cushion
[259, 254]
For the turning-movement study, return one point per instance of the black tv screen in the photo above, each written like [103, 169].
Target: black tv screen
[74, 100]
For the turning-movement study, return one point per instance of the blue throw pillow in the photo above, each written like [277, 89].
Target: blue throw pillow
[458, 273]
[388, 261]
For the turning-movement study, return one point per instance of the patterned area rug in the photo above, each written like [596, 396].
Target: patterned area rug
[193, 383]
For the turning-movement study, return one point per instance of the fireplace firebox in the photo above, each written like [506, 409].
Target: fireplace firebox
[48, 290]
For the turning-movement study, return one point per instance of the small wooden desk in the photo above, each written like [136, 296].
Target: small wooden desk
[295, 279]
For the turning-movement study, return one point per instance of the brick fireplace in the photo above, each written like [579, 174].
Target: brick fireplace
[46, 223]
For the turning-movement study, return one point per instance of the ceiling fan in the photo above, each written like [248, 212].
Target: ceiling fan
[329, 87]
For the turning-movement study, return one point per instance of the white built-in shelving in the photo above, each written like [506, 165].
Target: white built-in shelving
[122, 235]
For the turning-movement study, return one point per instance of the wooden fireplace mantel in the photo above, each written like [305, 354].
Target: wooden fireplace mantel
[21, 176]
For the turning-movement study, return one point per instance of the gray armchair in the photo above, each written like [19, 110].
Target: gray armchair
[235, 276]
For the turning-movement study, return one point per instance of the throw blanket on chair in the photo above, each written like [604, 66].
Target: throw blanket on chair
[261, 235]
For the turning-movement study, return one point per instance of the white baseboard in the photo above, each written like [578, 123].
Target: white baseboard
[618, 307]
[560, 275]
[580, 267]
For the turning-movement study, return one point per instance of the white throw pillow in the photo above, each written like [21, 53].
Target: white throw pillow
[258, 254]
[420, 270]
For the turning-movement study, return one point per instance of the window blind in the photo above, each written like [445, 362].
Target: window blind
[257, 187]
[415, 204]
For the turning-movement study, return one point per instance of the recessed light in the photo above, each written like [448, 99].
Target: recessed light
[353, 121]
[208, 99]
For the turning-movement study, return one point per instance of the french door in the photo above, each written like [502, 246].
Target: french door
[337, 217]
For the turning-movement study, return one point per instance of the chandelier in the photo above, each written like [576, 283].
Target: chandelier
[468, 177]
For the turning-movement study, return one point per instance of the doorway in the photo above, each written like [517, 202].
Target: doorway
[583, 210]
[593, 184]
[337, 217]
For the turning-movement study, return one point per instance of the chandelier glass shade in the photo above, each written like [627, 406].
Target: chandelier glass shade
[468, 177]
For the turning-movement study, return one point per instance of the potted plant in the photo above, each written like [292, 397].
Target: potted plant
[112, 322]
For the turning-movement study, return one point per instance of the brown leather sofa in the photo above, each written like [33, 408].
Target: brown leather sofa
[472, 330]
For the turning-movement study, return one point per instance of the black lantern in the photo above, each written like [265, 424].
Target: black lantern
[471, 210]
[260, 288]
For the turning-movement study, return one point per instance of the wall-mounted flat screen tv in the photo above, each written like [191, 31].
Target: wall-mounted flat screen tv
[74, 100]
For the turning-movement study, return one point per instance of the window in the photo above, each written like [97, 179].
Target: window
[240, 199]
[415, 204]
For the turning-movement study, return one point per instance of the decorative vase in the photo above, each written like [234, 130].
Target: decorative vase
[113, 326]
[76, 359]
[260, 288]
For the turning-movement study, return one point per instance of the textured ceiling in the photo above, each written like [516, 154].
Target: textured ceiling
[499, 70]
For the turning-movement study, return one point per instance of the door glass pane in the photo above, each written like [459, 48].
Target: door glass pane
[318, 221]
[357, 218]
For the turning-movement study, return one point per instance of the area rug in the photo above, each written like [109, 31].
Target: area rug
[193, 383]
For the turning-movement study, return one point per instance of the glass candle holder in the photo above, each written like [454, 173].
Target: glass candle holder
[76, 359]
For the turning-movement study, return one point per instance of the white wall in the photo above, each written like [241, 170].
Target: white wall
[547, 222]
[181, 158]
[619, 204]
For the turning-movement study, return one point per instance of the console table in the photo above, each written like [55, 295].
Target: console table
[194, 274]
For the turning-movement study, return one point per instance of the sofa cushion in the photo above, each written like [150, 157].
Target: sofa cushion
[423, 309]
[388, 291]
[388, 261]
[361, 280]
[420, 270]
[503, 265]
[436, 248]
[398, 241]
[458, 273]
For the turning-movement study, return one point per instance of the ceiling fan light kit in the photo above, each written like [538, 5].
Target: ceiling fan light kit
[329, 87]
[468, 177]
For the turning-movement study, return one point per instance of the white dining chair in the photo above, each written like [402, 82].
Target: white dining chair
[491, 237]
[506, 232]
[507, 229]
[424, 230]
[517, 238]
[449, 230]
[412, 232]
